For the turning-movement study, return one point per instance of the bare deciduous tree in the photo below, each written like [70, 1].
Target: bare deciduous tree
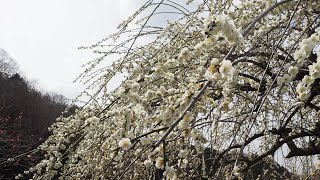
[7, 65]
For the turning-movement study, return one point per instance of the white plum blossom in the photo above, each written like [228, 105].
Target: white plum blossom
[135, 87]
[183, 125]
[159, 163]
[293, 70]
[303, 91]
[125, 143]
[236, 171]
[215, 61]
[226, 69]
[287, 79]
[145, 140]
[92, 120]
[209, 41]
[280, 80]
[221, 20]
[301, 88]
[148, 163]
[307, 80]
[304, 96]
[314, 70]
[300, 55]
[212, 73]
[184, 55]
[183, 163]
[198, 48]
[229, 29]
[183, 153]
[169, 172]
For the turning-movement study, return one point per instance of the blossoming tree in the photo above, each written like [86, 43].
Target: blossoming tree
[224, 86]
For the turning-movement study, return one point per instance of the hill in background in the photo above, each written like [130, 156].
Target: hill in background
[25, 115]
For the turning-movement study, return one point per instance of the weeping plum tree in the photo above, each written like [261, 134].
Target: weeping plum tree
[222, 86]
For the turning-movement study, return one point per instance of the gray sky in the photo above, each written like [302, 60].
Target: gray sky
[43, 36]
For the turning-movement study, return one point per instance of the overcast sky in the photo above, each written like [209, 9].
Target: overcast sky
[43, 36]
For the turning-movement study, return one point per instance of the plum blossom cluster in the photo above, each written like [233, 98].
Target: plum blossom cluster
[219, 70]
[223, 25]
[300, 56]
[222, 72]
[306, 47]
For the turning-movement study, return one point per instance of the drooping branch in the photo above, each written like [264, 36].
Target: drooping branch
[277, 145]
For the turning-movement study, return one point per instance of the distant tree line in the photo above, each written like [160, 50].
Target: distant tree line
[25, 115]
